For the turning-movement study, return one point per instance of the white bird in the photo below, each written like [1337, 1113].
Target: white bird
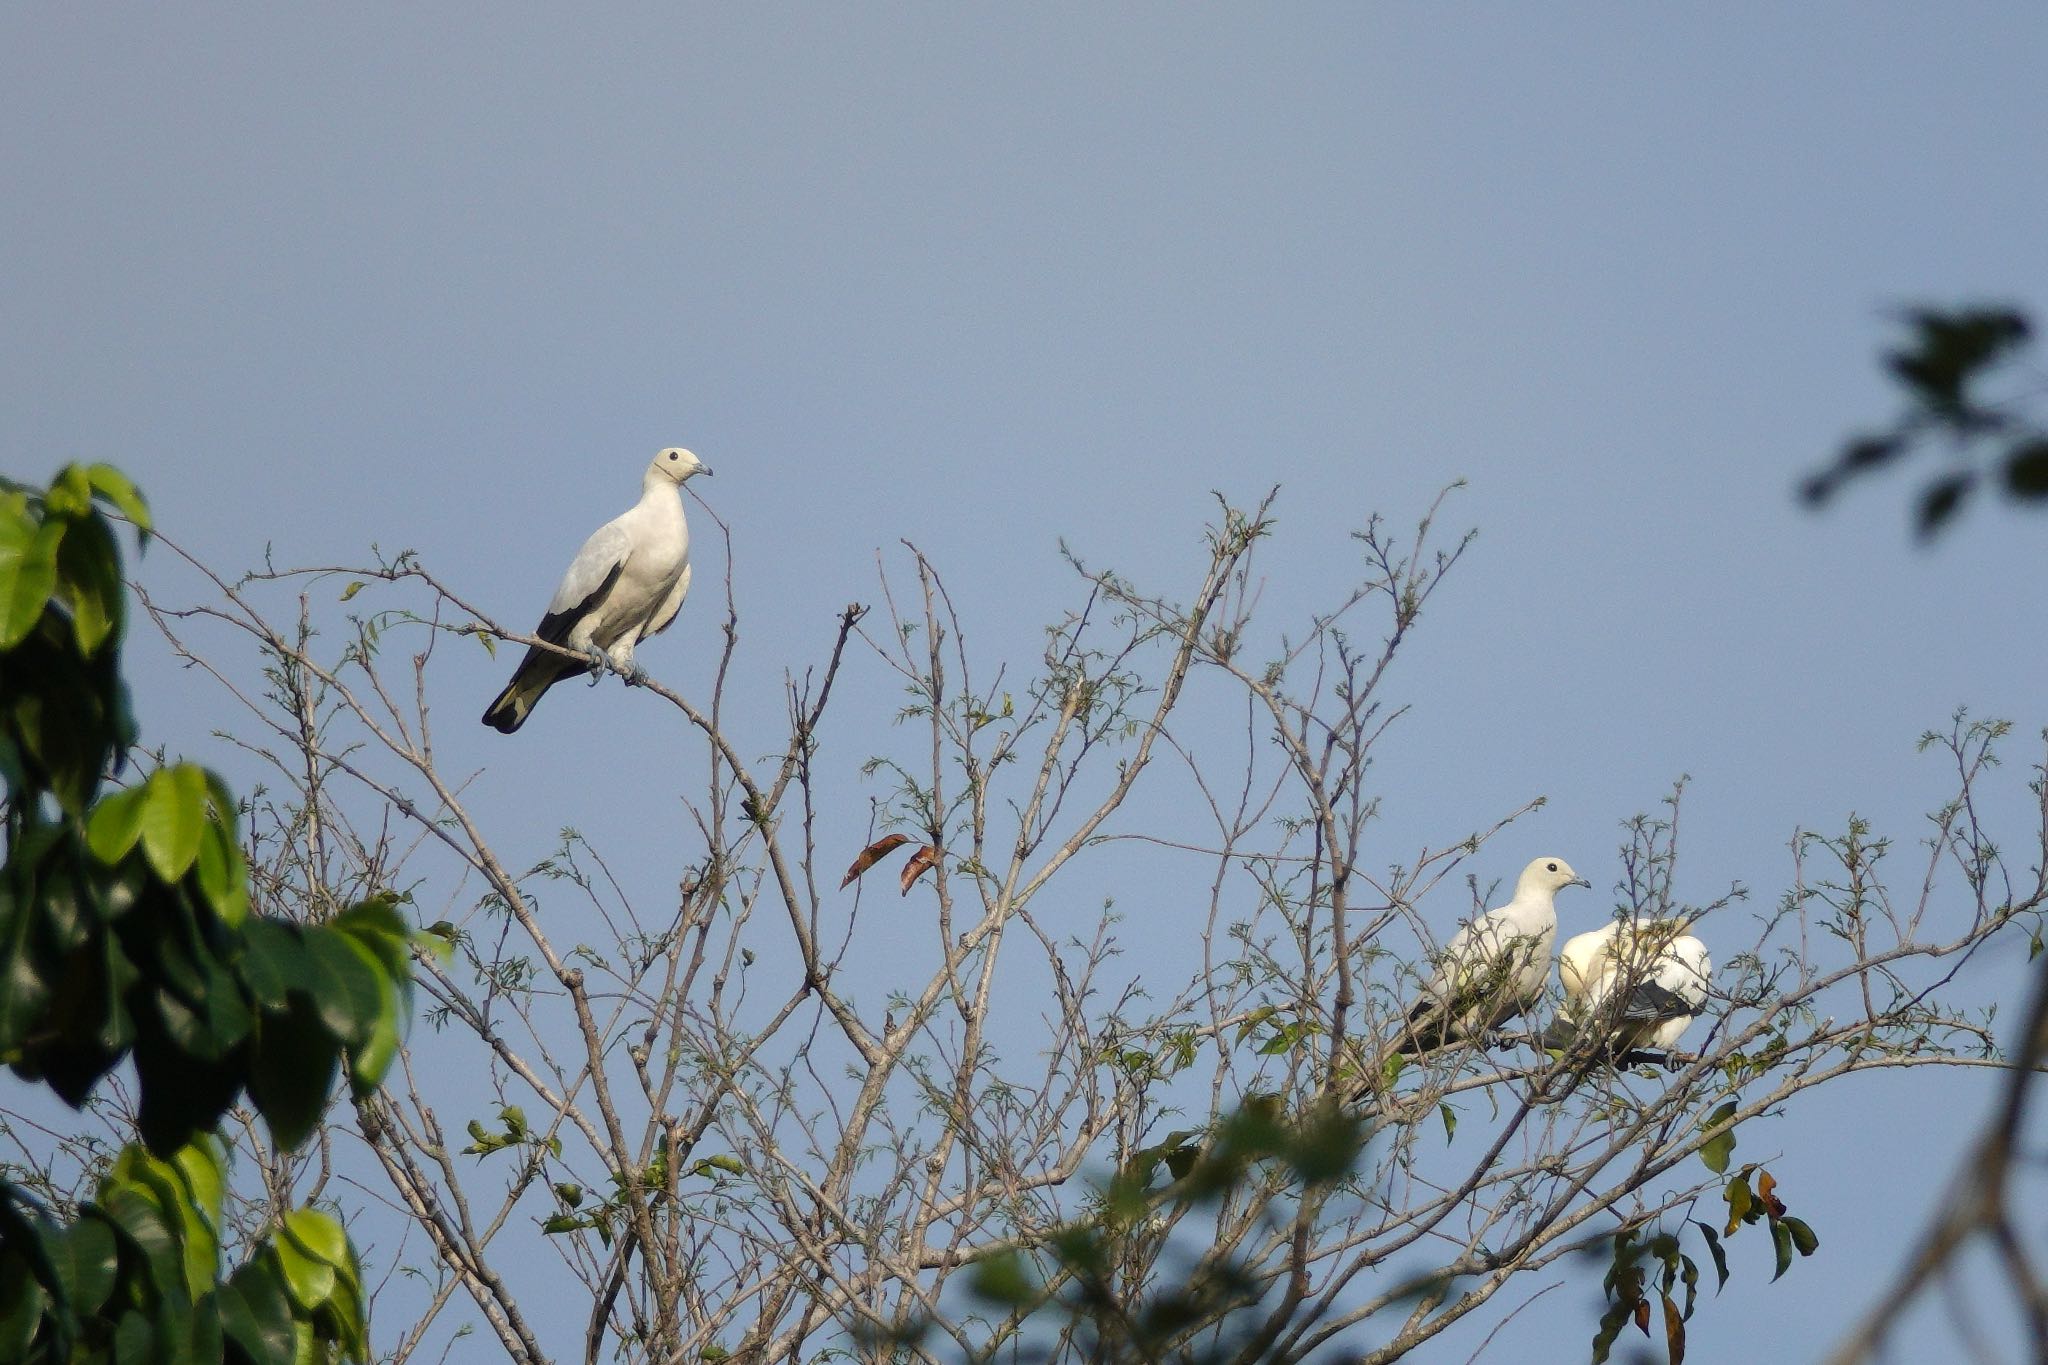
[625, 584]
[1638, 983]
[1495, 966]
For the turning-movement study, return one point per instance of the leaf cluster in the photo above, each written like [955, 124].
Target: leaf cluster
[126, 936]
[135, 1276]
[1944, 367]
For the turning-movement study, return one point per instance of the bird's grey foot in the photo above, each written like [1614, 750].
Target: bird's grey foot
[635, 675]
[597, 663]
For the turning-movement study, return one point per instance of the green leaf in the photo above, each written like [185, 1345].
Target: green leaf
[351, 989]
[1741, 1203]
[139, 1341]
[1717, 1149]
[1804, 1239]
[292, 1073]
[1941, 500]
[256, 1315]
[1714, 1250]
[314, 1253]
[369, 1061]
[377, 925]
[134, 1214]
[1450, 1118]
[1002, 1279]
[1781, 1238]
[173, 816]
[87, 1258]
[2026, 470]
[89, 583]
[112, 485]
[223, 874]
[69, 495]
[273, 963]
[115, 824]
[351, 590]
[23, 1304]
[141, 1197]
[199, 1165]
[28, 572]
[1611, 1323]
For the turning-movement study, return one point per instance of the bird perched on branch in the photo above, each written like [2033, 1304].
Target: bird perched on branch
[1495, 966]
[1635, 985]
[625, 584]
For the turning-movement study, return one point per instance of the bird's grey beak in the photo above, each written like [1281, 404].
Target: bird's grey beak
[1583, 881]
[705, 470]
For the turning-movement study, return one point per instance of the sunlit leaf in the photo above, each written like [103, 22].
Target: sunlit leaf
[173, 816]
[223, 875]
[1717, 1149]
[115, 824]
[1740, 1204]
[89, 583]
[1766, 1194]
[111, 484]
[28, 573]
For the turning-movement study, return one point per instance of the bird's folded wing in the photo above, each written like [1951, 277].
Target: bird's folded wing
[590, 579]
[1659, 1000]
[659, 622]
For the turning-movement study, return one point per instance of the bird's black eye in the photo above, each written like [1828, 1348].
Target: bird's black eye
[673, 456]
[1553, 867]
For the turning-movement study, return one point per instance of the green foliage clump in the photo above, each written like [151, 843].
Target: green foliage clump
[1943, 369]
[126, 936]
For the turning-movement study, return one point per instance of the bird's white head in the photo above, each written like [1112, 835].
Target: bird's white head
[1545, 877]
[677, 464]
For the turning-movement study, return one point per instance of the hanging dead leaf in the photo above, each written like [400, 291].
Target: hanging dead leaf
[1643, 1315]
[1773, 1205]
[872, 854]
[1674, 1332]
[919, 864]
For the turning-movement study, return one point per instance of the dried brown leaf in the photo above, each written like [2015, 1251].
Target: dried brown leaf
[1773, 1205]
[919, 864]
[872, 854]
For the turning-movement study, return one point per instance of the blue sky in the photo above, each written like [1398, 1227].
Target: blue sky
[992, 278]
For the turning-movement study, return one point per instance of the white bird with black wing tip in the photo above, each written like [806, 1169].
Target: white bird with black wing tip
[1635, 985]
[1495, 967]
[625, 584]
